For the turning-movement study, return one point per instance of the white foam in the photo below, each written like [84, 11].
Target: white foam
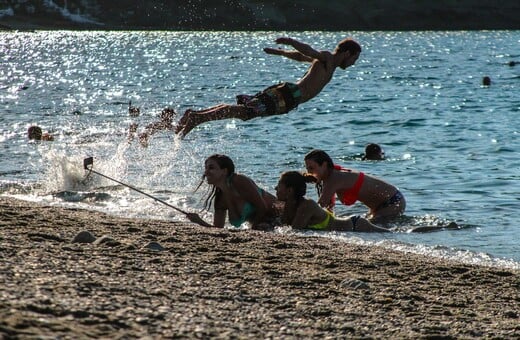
[441, 252]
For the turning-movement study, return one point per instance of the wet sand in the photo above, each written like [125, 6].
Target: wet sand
[145, 278]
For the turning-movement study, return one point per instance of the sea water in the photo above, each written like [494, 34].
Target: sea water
[451, 143]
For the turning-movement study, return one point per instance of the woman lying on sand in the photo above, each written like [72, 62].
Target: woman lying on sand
[303, 213]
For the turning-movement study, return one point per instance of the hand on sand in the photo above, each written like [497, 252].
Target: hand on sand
[194, 217]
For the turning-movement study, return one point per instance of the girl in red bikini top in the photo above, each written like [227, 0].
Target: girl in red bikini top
[383, 199]
[315, 161]
[350, 195]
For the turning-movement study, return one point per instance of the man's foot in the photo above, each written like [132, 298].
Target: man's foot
[187, 122]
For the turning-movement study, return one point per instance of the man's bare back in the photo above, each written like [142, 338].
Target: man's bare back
[318, 75]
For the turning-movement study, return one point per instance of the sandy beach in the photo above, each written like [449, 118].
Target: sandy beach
[154, 279]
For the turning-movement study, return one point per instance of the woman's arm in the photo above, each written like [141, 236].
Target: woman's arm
[195, 218]
[304, 214]
[326, 199]
[219, 218]
[221, 210]
[249, 192]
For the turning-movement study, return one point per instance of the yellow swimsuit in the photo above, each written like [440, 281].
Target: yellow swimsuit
[324, 224]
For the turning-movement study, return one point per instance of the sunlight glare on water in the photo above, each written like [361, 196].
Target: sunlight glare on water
[450, 142]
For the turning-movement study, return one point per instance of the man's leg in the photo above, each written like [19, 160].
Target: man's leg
[191, 118]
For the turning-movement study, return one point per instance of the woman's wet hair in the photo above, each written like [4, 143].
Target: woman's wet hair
[320, 156]
[296, 181]
[224, 162]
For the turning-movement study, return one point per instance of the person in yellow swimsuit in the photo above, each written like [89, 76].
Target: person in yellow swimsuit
[304, 213]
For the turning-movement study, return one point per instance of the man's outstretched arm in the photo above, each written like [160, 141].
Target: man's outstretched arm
[294, 55]
[304, 49]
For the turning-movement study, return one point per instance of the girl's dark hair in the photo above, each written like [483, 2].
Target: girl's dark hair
[224, 162]
[298, 182]
[320, 157]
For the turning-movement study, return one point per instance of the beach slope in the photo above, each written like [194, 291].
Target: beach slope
[154, 278]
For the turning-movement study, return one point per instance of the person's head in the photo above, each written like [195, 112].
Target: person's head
[291, 185]
[486, 81]
[352, 47]
[167, 115]
[132, 128]
[318, 163]
[373, 152]
[34, 133]
[218, 167]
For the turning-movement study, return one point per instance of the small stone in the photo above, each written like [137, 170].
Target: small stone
[354, 284]
[107, 240]
[511, 314]
[154, 246]
[84, 237]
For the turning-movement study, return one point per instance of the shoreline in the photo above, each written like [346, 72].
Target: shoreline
[162, 279]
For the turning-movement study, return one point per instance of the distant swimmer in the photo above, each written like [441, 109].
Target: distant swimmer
[373, 152]
[35, 132]
[486, 81]
[284, 97]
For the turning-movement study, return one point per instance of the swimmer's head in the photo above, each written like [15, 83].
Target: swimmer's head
[34, 133]
[373, 152]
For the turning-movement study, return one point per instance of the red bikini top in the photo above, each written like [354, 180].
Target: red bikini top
[350, 195]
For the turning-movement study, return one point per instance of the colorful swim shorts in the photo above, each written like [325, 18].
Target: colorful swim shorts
[274, 100]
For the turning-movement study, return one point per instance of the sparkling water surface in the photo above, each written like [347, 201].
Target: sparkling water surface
[451, 143]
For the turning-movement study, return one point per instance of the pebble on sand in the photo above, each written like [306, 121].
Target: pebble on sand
[84, 237]
[154, 246]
